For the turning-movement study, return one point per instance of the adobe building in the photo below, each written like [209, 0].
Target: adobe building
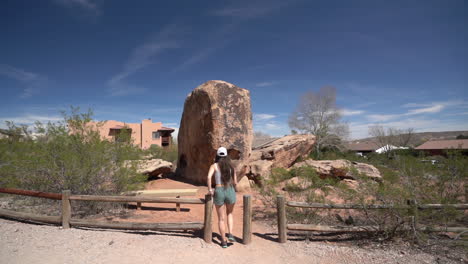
[144, 134]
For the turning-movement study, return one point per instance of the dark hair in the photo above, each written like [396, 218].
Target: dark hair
[226, 170]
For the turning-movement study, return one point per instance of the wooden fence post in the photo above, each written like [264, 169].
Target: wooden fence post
[177, 205]
[281, 208]
[66, 209]
[207, 229]
[247, 227]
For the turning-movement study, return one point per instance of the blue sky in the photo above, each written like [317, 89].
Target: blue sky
[395, 63]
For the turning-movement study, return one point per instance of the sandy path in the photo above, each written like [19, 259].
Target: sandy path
[30, 243]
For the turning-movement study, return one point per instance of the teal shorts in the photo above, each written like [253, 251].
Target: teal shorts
[224, 195]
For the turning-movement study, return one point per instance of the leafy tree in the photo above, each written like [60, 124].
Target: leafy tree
[318, 114]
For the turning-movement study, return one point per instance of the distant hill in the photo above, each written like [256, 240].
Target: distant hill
[422, 137]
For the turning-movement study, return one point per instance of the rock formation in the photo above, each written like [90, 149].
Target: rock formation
[342, 169]
[215, 114]
[279, 153]
[152, 167]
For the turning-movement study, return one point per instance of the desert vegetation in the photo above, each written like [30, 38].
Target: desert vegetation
[68, 155]
[406, 182]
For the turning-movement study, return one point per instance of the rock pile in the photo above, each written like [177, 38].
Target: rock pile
[343, 169]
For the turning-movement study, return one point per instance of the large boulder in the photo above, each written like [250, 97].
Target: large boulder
[343, 169]
[278, 153]
[215, 114]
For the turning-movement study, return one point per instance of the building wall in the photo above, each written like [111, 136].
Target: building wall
[147, 133]
[142, 134]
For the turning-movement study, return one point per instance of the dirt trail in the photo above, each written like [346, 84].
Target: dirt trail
[30, 243]
[188, 213]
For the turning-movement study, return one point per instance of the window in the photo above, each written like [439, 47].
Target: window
[156, 135]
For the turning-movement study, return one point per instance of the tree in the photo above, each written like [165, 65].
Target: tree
[391, 136]
[318, 114]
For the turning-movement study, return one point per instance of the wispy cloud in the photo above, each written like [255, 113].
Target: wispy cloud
[349, 112]
[261, 117]
[197, 57]
[218, 39]
[420, 116]
[142, 56]
[254, 9]
[381, 118]
[264, 84]
[272, 127]
[419, 108]
[241, 12]
[29, 119]
[432, 109]
[272, 124]
[31, 82]
[420, 124]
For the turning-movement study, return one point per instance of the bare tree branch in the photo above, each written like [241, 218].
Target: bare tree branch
[318, 114]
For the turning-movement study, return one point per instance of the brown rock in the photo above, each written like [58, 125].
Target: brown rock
[296, 181]
[244, 185]
[258, 170]
[153, 167]
[341, 169]
[284, 151]
[215, 114]
[352, 184]
[279, 153]
[368, 170]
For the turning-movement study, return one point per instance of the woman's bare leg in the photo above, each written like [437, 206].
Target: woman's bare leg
[230, 218]
[221, 224]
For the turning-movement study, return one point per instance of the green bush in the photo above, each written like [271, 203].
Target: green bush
[68, 155]
[168, 153]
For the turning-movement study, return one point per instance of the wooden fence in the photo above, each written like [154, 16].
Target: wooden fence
[66, 221]
[283, 226]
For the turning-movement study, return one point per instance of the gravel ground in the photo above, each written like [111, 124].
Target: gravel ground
[30, 243]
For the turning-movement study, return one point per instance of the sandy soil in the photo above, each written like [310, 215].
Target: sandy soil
[30, 243]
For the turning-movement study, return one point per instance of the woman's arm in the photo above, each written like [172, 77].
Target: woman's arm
[210, 175]
[235, 180]
[235, 177]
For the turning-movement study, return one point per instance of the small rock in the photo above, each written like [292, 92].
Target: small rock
[112, 242]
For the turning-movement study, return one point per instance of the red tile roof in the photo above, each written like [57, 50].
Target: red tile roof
[362, 146]
[445, 144]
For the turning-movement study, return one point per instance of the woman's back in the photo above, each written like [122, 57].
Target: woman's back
[217, 174]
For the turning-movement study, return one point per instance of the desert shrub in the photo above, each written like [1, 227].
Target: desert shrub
[405, 181]
[338, 154]
[68, 155]
[168, 153]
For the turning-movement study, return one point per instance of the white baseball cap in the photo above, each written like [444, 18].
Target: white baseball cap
[222, 152]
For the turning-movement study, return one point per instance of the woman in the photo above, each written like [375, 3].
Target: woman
[224, 193]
